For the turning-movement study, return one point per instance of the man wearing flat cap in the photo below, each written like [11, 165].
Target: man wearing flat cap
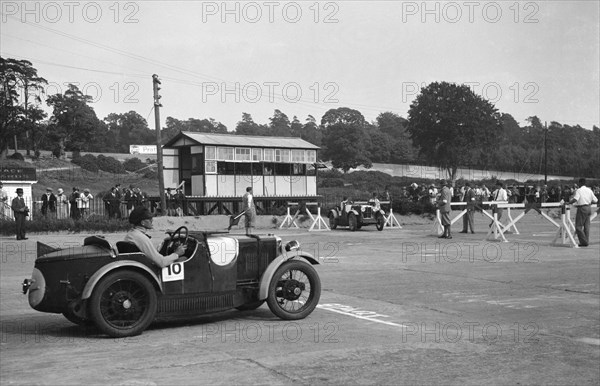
[141, 218]
[20, 211]
[49, 203]
[444, 206]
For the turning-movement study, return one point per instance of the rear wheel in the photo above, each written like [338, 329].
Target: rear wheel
[294, 291]
[352, 222]
[123, 304]
[333, 222]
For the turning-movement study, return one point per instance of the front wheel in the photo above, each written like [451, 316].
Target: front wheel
[380, 223]
[333, 223]
[294, 291]
[352, 222]
[123, 304]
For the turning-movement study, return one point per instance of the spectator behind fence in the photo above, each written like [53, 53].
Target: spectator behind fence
[62, 204]
[74, 201]
[84, 203]
[49, 203]
[4, 206]
[20, 212]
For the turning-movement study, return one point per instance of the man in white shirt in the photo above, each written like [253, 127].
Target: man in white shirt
[249, 209]
[141, 218]
[583, 199]
[501, 196]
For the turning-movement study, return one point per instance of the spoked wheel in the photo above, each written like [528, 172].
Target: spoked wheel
[294, 291]
[332, 221]
[352, 222]
[123, 304]
[380, 223]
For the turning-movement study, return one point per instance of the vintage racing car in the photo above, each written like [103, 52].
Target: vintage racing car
[356, 215]
[122, 291]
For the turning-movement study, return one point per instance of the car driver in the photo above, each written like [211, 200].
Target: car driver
[141, 218]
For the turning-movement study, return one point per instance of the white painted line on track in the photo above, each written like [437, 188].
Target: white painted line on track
[335, 308]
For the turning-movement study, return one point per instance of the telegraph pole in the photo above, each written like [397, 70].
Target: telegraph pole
[159, 158]
[545, 152]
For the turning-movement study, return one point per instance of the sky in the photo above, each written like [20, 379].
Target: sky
[221, 59]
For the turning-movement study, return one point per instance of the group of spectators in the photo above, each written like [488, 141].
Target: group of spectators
[61, 205]
[516, 194]
[131, 196]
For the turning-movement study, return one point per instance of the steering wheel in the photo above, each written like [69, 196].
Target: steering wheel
[172, 244]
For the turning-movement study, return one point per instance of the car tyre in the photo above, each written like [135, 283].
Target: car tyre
[294, 290]
[333, 222]
[123, 304]
[352, 222]
[71, 317]
[250, 306]
[380, 223]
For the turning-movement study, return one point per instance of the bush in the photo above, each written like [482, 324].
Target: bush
[89, 162]
[110, 164]
[133, 164]
[331, 183]
[17, 156]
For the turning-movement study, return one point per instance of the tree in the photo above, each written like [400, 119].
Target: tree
[452, 126]
[280, 125]
[345, 139]
[247, 126]
[19, 81]
[130, 129]
[73, 125]
[394, 126]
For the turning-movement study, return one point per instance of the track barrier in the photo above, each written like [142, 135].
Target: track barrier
[565, 226]
[318, 223]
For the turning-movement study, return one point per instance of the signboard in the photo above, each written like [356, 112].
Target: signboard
[142, 149]
[16, 173]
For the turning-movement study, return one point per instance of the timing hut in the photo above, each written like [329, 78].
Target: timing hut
[223, 165]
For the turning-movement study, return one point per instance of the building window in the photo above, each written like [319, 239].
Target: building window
[298, 156]
[257, 155]
[242, 154]
[243, 168]
[311, 156]
[197, 163]
[268, 169]
[298, 169]
[210, 167]
[282, 169]
[211, 152]
[225, 154]
[226, 168]
[282, 155]
[257, 169]
[269, 156]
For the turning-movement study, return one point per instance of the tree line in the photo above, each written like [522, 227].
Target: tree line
[448, 126]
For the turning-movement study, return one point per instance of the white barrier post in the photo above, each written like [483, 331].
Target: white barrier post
[496, 227]
[318, 220]
[437, 224]
[391, 220]
[288, 218]
[564, 230]
[513, 225]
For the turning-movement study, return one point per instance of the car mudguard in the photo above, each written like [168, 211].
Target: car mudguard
[99, 274]
[265, 280]
[335, 213]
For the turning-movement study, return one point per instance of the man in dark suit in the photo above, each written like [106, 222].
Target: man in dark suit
[49, 203]
[444, 206]
[468, 217]
[20, 211]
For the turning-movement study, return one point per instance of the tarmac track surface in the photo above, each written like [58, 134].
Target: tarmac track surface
[397, 307]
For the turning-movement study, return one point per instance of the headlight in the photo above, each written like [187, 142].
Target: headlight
[292, 246]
